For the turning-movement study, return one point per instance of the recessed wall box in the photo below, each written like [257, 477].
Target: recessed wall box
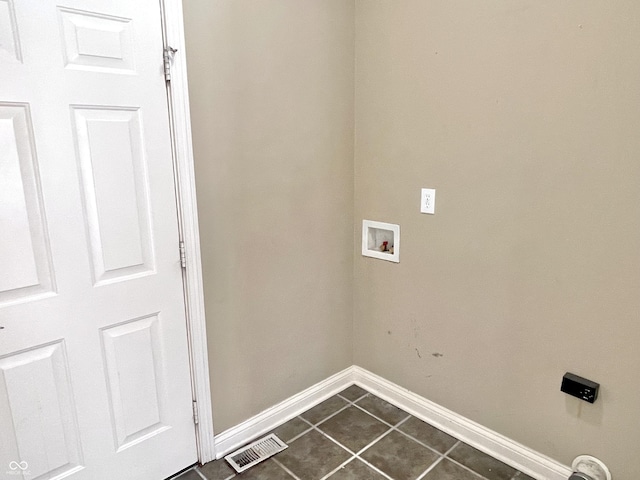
[381, 240]
[580, 387]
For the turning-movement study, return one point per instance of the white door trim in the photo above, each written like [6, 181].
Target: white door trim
[194, 292]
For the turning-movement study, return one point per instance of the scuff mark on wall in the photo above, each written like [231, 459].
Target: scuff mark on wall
[415, 326]
[418, 352]
[437, 355]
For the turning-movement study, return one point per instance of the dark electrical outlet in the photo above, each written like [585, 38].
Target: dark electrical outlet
[580, 387]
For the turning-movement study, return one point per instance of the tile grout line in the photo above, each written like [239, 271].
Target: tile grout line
[419, 442]
[352, 456]
[373, 467]
[285, 468]
[392, 427]
[380, 419]
[356, 456]
[479, 475]
[351, 403]
[429, 468]
[439, 460]
[334, 441]
[458, 442]
[446, 455]
[328, 417]
[302, 433]
[198, 472]
[337, 468]
[441, 455]
[356, 400]
[371, 444]
[314, 427]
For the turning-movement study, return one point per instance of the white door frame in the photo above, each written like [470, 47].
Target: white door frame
[188, 211]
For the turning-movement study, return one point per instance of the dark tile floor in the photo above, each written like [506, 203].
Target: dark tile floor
[357, 436]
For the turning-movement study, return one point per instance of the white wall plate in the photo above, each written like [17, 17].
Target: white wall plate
[381, 240]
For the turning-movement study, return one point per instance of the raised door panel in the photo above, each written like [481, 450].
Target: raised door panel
[25, 260]
[37, 414]
[9, 38]
[116, 192]
[97, 42]
[133, 360]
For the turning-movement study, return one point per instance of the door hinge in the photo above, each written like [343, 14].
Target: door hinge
[167, 57]
[183, 255]
[196, 420]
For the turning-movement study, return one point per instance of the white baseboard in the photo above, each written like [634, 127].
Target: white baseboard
[498, 446]
[264, 422]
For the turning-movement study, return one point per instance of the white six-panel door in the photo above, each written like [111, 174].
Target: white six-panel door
[94, 367]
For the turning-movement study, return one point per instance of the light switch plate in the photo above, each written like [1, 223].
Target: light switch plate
[428, 201]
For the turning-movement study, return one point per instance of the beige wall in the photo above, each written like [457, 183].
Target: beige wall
[271, 86]
[525, 116]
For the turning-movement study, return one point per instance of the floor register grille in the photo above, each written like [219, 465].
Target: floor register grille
[255, 452]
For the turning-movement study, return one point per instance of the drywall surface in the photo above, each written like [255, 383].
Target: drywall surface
[271, 89]
[525, 117]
